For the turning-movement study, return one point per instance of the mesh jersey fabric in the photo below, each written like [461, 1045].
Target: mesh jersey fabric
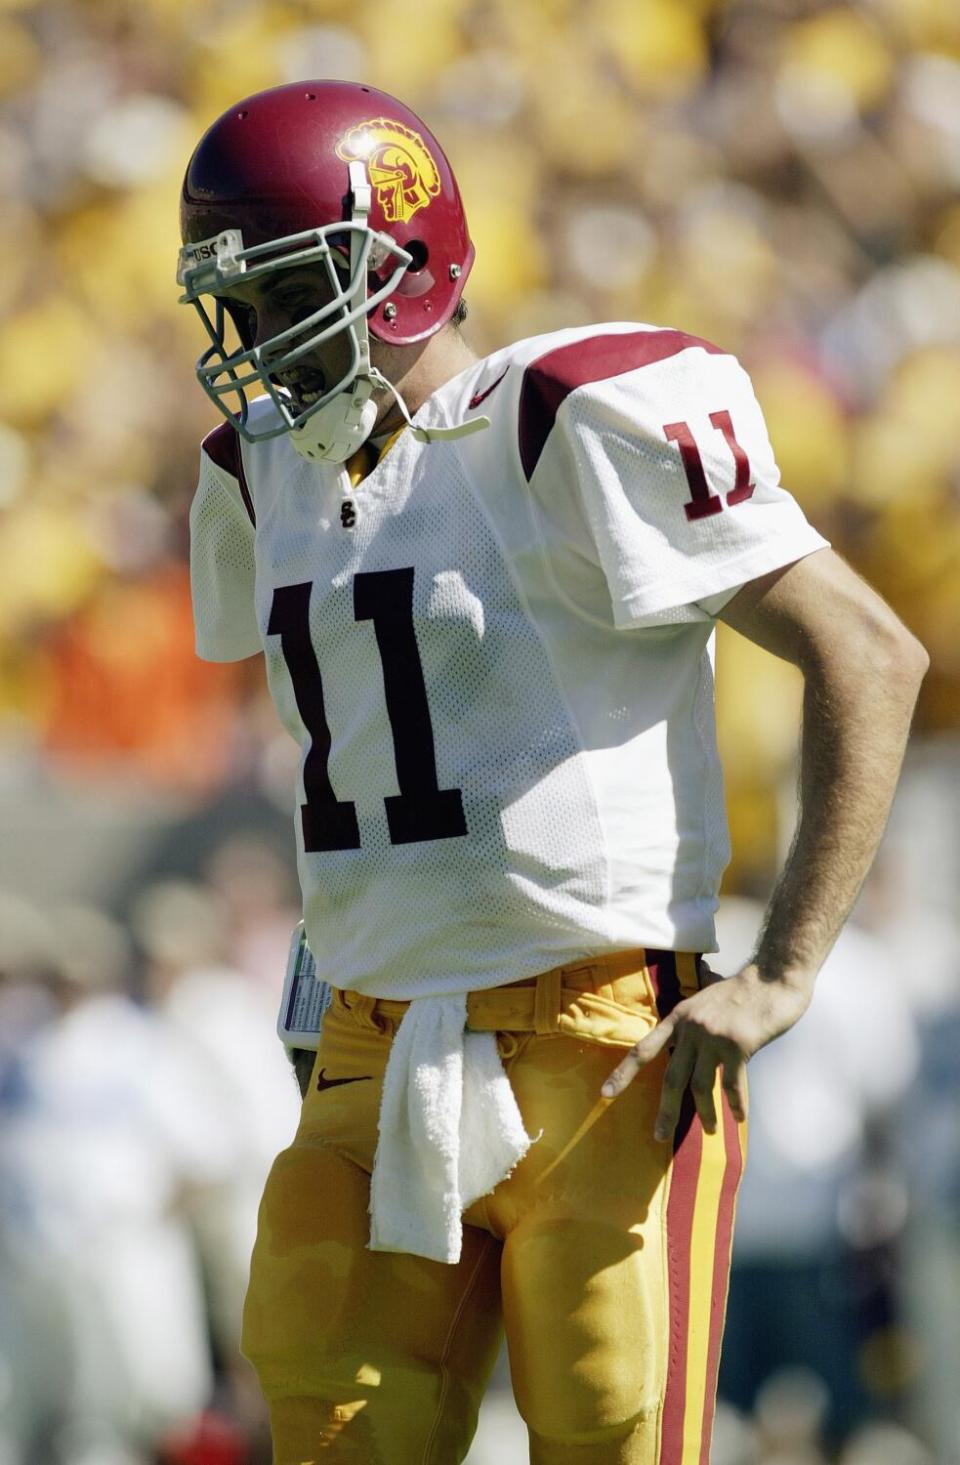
[515, 634]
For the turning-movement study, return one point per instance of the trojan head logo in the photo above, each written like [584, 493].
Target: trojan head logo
[398, 162]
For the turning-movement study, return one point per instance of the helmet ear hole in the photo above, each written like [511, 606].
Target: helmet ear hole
[420, 254]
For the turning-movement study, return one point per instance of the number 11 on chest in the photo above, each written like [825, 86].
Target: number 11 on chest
[421, 810]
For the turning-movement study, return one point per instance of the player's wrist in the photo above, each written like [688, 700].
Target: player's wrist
[788, 976]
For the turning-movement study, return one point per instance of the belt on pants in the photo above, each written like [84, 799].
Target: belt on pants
[615, 998]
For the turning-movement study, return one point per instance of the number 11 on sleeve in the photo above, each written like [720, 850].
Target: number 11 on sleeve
[703, 502]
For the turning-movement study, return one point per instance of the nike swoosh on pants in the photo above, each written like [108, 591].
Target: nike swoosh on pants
[331, 1083]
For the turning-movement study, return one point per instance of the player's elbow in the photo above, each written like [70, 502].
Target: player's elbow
[875, 646]
[914, 658]
[902, 659]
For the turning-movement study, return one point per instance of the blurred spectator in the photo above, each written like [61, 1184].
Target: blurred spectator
[126, 692]
[822, 1203]
[28, 963]
[260, 900]
[226, 1020]
[94, 1162]
[910, 905]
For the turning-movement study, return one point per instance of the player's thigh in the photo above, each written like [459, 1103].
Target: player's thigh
[372, 1356]
[585, 1312]
[615, 1264]
[584, 1276]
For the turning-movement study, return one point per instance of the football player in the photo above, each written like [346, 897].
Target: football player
[485, 592]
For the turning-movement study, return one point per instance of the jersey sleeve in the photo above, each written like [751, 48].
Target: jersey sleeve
[661, 472]
[222, 565]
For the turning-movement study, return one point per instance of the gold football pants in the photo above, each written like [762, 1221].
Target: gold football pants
[604, 1256]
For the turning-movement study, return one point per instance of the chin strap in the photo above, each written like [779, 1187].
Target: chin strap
[335, 432]
[429, 434]
[337, 429]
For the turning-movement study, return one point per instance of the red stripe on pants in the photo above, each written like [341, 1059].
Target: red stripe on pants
[721, 1268]
[684, 1178]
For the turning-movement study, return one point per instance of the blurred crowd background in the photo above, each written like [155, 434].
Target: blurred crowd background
[780, 176]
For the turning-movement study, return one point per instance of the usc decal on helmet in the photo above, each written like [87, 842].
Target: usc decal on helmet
[399, 165]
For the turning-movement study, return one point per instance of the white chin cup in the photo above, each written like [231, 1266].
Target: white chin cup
[338, 429]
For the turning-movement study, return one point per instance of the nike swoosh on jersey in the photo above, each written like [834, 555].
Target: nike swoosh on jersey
[331, 1083]
[482, 396]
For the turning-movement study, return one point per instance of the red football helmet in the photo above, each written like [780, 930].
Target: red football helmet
[329, 173]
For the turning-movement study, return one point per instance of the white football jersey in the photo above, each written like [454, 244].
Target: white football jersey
[495, 654]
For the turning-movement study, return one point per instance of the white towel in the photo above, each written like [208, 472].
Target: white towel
[450, 1130]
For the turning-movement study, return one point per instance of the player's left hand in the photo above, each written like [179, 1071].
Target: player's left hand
[719, 1027]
